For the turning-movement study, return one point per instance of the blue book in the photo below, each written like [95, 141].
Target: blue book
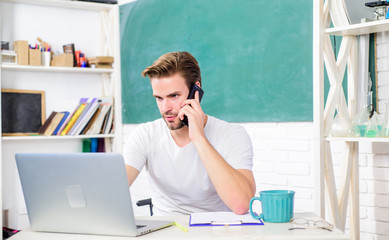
[66, 114]
[93, 144]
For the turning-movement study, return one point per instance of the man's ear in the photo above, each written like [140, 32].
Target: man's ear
[198, 84]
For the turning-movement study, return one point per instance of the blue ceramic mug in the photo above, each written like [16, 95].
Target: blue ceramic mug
[277, 206]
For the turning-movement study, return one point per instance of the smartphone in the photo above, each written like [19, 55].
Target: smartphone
[194, 88]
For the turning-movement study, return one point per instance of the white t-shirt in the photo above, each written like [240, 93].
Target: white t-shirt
[178, 179]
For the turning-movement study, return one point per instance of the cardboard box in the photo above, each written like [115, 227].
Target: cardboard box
[63, 60]
[35, 57]
[8, 57]
[21, 49]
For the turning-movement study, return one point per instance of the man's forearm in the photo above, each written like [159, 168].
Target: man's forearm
[132, 173]
[235, 187]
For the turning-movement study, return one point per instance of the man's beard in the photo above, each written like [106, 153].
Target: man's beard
[172, 125]
[175, 126]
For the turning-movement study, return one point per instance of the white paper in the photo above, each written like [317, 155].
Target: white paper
[221, 218]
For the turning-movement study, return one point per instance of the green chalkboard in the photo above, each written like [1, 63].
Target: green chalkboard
[255, 56]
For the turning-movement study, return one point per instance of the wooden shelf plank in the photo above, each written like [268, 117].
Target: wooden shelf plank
[55, 69]
[360, 28]
[34, 138]
[357, 139]
[65, 4]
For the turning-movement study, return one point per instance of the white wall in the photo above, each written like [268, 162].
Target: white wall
[373, 186]
[374, 161]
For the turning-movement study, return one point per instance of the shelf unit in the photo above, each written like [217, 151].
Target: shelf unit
[15, 67]
[346, 197]
[101, 25]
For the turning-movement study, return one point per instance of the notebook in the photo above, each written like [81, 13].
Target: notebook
[83, 193]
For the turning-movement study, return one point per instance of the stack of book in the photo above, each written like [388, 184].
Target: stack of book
[91, 116]
[96, 145]
[100, 62]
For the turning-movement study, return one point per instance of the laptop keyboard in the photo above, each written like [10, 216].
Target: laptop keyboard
[140, 226]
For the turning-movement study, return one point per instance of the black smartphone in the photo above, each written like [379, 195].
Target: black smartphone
[194, 88]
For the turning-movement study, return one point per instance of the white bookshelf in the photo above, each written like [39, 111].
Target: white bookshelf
[94, 29]
[343, 200]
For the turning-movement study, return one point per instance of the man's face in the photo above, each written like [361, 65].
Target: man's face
[170, 92]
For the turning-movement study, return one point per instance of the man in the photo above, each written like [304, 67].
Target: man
[205, 166]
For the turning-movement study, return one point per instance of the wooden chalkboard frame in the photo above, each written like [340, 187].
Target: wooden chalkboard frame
[22, 127]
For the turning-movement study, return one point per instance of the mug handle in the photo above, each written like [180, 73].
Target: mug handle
[255, 216]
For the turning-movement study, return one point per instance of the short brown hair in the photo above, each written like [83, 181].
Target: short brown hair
[175, 62]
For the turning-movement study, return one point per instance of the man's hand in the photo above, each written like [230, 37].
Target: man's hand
[196, 117]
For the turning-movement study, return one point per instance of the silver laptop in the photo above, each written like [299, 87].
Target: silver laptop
[85, 193]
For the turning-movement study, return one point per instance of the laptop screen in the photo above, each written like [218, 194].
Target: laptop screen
[77, 193]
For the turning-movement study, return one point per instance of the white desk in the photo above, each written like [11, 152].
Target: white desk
[269, 231]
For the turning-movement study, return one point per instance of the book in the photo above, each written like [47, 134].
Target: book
[100, 65]
[65, 115]
[82, 100]
[100, 145]
[107, 145]
[108, 125]
[98, 123]
[86, 144]
[101, 62]
[105, 119]
[85, 116]
[70, 106]
[46, 124]
[91, 121]
[53, 124]
[73, 119]
[101, 59]
[70, 116]
[108, 121]
[93, 144]
[105, 122]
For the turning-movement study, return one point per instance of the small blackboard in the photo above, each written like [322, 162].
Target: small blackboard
[22, 111]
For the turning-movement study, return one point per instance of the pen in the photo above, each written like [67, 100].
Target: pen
[180, 226]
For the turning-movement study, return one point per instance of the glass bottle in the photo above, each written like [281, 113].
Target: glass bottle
[365, 123]
[341, 126]
[385, 123]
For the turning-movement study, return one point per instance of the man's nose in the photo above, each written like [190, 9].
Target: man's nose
[167, 105]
